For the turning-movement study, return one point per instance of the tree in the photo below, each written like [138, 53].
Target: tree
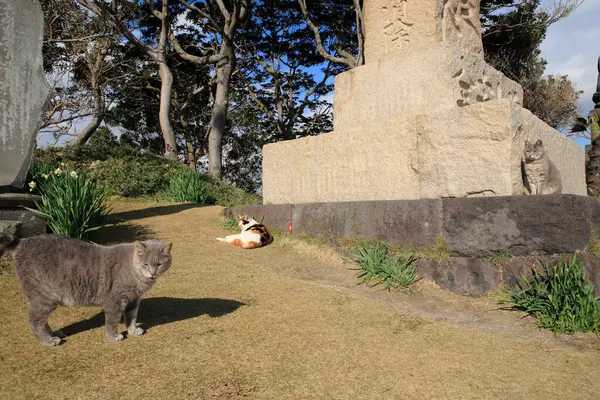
[121, 15]
[76, 46]
[339, 31]
[223, 25]
[512, 33]
[278, 55]
[590, 127]
[135, 110]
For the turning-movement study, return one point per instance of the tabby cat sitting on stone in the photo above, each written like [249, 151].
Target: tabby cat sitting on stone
[55, 270]
[541, 174]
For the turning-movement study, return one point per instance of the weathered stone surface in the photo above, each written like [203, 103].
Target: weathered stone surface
[23, 87]
[403, 26]
[517, 225]
[11, 209]
[466, 152]
[412, 223]
[11, 227]
[438, 77]
[331, 220]
[373, 162]
[474, 276]
[462, 152]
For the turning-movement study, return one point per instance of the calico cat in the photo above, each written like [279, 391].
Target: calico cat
[55, 270]
[253, 235]
[541, 175]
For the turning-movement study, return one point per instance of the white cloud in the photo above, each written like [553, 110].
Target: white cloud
[572, 48]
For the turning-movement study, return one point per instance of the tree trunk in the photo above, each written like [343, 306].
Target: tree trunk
[219, 119]
[592, 168]
[166, 87]
[191, 155]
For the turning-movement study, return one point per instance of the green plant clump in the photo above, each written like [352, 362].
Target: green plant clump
[560, 298]
[377, 266]
[72, 204]
[189, 186]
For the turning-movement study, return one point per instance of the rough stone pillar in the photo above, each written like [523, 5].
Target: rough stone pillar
[23, 88]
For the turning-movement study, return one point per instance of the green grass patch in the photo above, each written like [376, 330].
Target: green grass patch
[499, 258]
[377, 266]
[560, 297]
[187, 186]
[230, 223]
[594, 243]
[438, 252]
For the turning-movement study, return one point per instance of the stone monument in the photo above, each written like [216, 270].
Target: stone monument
[23, 94]
[425, 117]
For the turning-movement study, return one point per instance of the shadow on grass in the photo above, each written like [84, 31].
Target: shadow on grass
[157, 311]
[122, 233]
[152, 212]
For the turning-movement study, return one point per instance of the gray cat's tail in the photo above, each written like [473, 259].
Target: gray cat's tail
[7, 242]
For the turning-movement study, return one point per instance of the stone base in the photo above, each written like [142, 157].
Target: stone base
[461, 152]
[474, 230]
[12, 214]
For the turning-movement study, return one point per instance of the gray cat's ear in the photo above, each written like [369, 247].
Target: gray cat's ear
[538, 143]
[167, 248]
[139, 246]
[527, 142]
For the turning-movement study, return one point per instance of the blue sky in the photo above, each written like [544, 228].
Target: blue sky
[572, 47]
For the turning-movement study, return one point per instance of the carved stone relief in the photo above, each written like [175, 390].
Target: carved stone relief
[461, 24]
[481, 87]
[397, 25]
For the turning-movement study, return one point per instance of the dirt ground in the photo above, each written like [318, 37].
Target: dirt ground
[285, 322]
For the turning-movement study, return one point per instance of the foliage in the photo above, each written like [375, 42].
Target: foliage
[135, 176]
[594, 243]
[512, 34]
[560, 298]
[72, 203]
[376, 265]
[231, 224]
[189, 186]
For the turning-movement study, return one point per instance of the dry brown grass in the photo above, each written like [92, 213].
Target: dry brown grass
[274, 323]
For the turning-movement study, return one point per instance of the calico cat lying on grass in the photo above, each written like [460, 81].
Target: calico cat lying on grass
[253, 235]
[55, 270]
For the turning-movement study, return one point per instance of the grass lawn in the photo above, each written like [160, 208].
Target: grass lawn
[284, 322]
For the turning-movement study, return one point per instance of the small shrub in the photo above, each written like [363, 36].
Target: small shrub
[231, 224]
[560, 298]
[499, 258]
[594, 243]
[189, 186]
[377, 266]
[135, 176]
[72, 204]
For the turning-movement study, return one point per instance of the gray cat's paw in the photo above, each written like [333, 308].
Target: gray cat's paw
[60, 334]
[117, 338]
[53, 341]
[136, 331]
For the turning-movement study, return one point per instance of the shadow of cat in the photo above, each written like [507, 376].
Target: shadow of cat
[157, 311]
[121, 233]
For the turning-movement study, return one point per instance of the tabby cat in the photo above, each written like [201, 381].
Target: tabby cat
[55, 270]
[253, 235]
[541, 175]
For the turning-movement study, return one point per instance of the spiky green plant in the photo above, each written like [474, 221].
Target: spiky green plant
[71, 203]
[188, 186]
[559, 297]
[376, 267]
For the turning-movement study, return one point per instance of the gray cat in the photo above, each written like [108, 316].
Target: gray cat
[541, 174]
[56, 270]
